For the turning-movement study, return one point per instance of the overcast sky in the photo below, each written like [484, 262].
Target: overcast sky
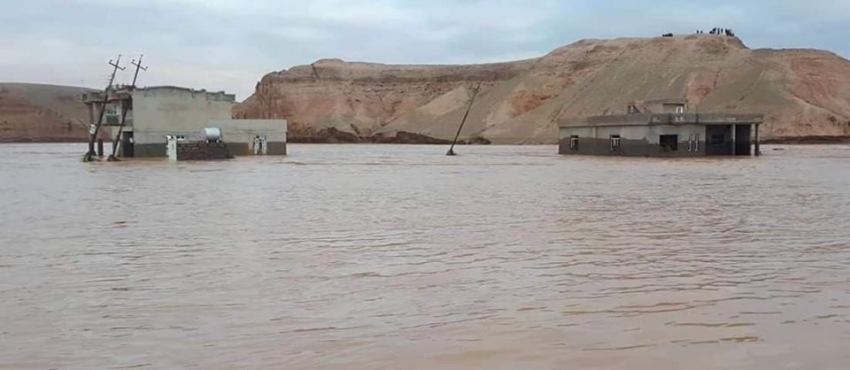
[229, 45]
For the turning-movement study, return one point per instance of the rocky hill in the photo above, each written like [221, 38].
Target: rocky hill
[803, 93]
[31, 112]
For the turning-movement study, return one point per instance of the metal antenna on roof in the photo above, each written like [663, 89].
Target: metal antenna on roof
[451, 151]
[125, 106]
[95, 127]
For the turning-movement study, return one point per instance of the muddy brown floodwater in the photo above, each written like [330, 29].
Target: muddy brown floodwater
[398, 257]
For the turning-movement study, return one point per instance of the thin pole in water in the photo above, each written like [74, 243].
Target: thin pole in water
[125, 107]
[96, 126]
[465, 115]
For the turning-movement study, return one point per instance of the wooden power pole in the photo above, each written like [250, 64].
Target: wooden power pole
[95, 127]
[465, 115]
[125, 106]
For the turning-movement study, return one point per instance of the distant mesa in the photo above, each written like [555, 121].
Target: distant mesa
[802, 92]
[329, 61]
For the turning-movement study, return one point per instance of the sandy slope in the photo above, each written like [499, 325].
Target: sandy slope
[31, 112]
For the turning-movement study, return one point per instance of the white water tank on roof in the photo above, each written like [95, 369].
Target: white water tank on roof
[212, 134]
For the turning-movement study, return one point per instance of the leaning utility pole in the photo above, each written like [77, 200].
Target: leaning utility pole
[125, 106]
[95, 127]
[474, 94]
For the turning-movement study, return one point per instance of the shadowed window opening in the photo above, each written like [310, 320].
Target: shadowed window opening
[669, 142]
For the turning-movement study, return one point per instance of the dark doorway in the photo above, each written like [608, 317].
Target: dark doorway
[127, 149]
[742, 140]
[669, 143]
[718, 140]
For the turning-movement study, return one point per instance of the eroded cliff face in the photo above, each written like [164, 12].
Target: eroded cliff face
[802, 92]
[30, 112]
[362, 98]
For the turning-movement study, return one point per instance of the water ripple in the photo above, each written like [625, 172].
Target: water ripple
[400, 257]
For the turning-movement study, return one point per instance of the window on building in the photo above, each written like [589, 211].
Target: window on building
[693, 142]
[680, 109]
[669, 142]
[574, 142]
[615, 142]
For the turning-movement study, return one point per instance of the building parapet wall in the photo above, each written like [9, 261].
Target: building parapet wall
[622, 119]
[125, 92]
[708, 118]
[665, 119]
[183, 92]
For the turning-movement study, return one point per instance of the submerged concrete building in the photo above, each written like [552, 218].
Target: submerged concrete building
[661, 128]
[143, 120]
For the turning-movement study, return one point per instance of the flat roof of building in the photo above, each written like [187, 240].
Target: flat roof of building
[180, 88]
[662, 101]
[123, 92]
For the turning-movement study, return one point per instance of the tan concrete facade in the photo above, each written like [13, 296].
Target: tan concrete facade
[246, 131]
[167, 110]
[158, 112]
[673, 133]
[643, 141]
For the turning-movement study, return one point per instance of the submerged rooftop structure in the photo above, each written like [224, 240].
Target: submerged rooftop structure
[661, 128]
